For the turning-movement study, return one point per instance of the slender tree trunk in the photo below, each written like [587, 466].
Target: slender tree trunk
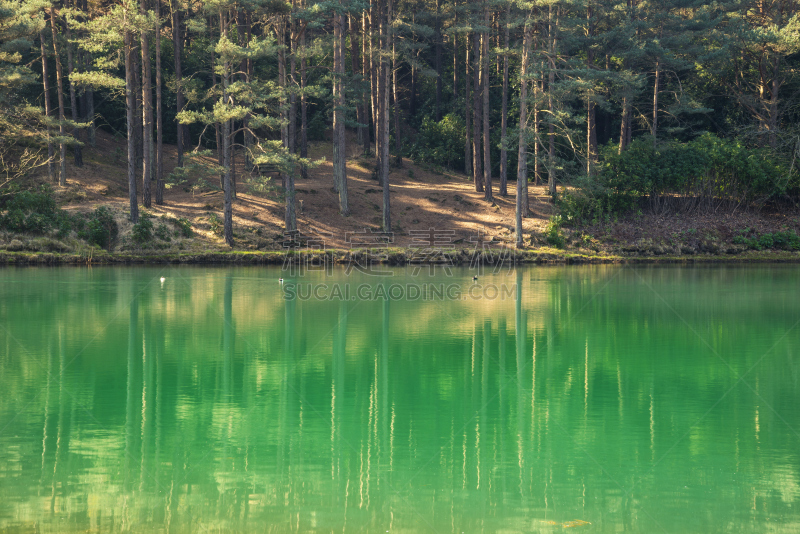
[303, 104]
[551, 78]
[147, 107]
[88, 95]
[77, 153]
[477, 115]
[177, 44]
[591, 121]
[522, 157]
[487, 152]
[138, 128]
[625, 125]
[467, 110]
[656, 89]
[226, 143]
[130, 108]
[62, 180]
[384, 97]
[773, 104]
[293, 82]
[537, 141]
[455, 62]
[159, 112]
[374, 33]
[398, 138]
[339, 142]
[438, 59]
[51, 158]
[504, 113]
[355, 56]
[365, 68]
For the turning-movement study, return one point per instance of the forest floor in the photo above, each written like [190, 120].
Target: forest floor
[428, 207]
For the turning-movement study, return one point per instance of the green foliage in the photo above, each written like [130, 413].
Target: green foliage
[216, 223]
[785, 240]
[184, 226]
[553, 232]
[143, 230]
[705, 172]
[29, 211]
[440, 143]
[99, 228]
[162, 232]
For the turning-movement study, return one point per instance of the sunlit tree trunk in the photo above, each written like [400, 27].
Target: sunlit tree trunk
[225, 134]
[159, 112]
[177, 44]
[339, 142]
[487, 152]
[147, 109]
[51, 158]
[384, 96]
[62, 132]
[130, 106]
[477, 115]
[504, 113]
[467, 110]
[522, 157]
[77, 154]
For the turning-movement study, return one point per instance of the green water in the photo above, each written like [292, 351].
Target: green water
[647, 399]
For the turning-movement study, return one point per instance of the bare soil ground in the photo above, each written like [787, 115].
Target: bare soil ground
[421, 198]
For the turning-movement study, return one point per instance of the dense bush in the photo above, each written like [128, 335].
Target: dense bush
[440, 143]
[705, 173]
[786, 240]
[29, 211]
[142, 231]
[100, 228]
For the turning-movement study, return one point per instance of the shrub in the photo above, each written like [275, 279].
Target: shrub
[441, 143]
[100, 228]
[162, 232]
[29, 211]
[184, 226]
[216, 223]
[553, 232]
[143, 230]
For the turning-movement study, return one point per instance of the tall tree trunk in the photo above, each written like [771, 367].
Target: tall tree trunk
[656, 90]
[384, 97]
[374, 34]
[365, 68]
[130, 108]
[467, 110]
[537, 141]
[398, 138]
[487, 152]
[177, 44]
[77, 153]
[504, 113]
[226, 143]
[51, 158]
[591, 122]
[438, 59]
[88, 108]
[293, 81]
[139, 114]
[551, 78]
[477, 115]
[62, 180]
[355, 56]
[339, 142]
[625, 125]
[455, 62]
[147, 108]
[773, 104]
[303, 103]
[522, 157]
[159, 112]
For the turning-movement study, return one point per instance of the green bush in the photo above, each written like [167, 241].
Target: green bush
[553, 232]
[184, 226]
[29, 211]
[143, 230]
[786, 240]
[216, 223]
[440, 143]
[162, 232]
[99, 228]
[707, 171]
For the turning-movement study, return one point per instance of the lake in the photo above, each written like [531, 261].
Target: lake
[599, 398]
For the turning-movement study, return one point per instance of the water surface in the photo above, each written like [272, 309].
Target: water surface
[602, 398]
